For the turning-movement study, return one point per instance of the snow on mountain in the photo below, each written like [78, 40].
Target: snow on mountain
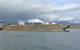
[53, 23]
[40, 21]
[20, 22]
[35, 21]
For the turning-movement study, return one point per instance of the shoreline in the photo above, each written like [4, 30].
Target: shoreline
[37, 28]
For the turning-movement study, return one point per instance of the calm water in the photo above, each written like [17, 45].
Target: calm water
[40, 40]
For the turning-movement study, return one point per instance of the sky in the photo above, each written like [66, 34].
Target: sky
[45, 9]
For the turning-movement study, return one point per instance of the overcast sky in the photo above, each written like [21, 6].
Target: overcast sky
[40, 8]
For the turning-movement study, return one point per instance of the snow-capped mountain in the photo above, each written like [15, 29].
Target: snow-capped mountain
[20, 22]
[35, 21]
[59, 20]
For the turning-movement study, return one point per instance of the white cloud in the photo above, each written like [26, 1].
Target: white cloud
[30, 5]
[33, 7]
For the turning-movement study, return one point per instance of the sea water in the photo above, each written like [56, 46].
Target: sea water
[40, 40]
